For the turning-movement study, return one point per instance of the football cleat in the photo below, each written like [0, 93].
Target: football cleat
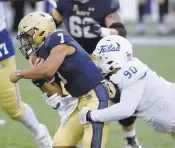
[132, 142]
[44, 140]
[162, 30]
[140, 29]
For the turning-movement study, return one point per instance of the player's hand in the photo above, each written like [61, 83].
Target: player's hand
[85, 115]
[14, 76]
[53, 101]
[95, 28]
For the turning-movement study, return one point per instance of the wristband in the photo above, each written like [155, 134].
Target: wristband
[105, 32]
[19, 74]
[38, 83]
[88, 116]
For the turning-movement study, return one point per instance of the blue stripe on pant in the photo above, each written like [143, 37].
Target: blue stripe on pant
[102, 95]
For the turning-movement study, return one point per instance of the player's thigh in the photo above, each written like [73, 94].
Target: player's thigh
[70, 133]
[10, 100]
[95, 134]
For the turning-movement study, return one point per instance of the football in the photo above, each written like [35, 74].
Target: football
[32, 59]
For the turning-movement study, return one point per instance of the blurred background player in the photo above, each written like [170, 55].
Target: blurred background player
[10, 100]
[88, 21]
[162, 10]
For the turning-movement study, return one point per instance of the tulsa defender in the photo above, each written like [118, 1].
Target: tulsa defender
[9, 94]
[88, 21]
[143, 92]
[82, 79]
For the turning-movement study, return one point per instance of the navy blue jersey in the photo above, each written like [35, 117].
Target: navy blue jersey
[77, 72]
[6, 45]
[77, 16]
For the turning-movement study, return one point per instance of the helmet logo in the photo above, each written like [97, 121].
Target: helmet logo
[109, 48]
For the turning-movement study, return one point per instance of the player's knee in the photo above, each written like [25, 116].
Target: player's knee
[128, 121]
[16, 113]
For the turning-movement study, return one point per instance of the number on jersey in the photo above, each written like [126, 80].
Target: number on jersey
[131, 71]
[62, 37]
[3, 49]
[79, 27]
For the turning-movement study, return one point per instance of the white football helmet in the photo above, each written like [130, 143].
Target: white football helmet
[112, 52]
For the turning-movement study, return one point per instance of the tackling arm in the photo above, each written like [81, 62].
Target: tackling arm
[130, 98]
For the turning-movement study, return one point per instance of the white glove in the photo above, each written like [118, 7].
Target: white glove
[53, 101]
[83, 115]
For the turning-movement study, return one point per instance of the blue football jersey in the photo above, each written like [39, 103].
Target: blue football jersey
[6, 45]
[77, 16]
[77, 72]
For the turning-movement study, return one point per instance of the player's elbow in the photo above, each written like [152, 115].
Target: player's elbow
[129, 112]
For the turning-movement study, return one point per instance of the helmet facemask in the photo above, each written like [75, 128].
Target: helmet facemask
[28, 46]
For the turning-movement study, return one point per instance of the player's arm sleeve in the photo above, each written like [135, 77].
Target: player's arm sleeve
[113, 20]
[57, 38]
[60, 6]
[57, 17]
[114, 6]
[130, 98]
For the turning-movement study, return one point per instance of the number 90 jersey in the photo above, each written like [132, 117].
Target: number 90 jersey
[130, 73]
[78, 72]
[77, 16]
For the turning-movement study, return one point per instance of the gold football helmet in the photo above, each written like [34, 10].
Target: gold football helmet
[32, 31]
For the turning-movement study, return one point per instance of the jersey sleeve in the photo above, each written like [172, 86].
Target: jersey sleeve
[114, 6]
[57, 38]
[60, 6]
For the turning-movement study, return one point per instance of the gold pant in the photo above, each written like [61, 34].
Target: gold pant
[72, 131]
[10, 100]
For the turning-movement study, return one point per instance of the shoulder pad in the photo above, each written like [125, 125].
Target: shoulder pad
[130, 73]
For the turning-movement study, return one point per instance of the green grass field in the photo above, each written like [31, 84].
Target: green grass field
[13, 135]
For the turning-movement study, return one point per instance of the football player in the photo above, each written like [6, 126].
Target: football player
[82, 79]
[161, 26]
[88, 21]
[10, 100]
[143, 92]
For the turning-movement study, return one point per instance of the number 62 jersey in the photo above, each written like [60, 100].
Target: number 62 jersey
[78, 17]
[151, 96]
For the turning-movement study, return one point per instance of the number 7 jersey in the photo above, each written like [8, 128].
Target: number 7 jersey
[78, 72]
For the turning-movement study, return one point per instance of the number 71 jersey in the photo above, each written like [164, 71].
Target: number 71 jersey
[6, 45]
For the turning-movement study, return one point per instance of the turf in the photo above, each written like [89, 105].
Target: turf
[13, 135]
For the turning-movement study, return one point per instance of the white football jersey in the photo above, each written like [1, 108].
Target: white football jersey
[143, 94]
[158, 98]
[2, 17]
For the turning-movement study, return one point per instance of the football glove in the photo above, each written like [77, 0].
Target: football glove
[96, 29]
[53, 101]
[85, 116]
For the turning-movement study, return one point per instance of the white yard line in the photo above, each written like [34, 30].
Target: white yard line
[153, 40]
